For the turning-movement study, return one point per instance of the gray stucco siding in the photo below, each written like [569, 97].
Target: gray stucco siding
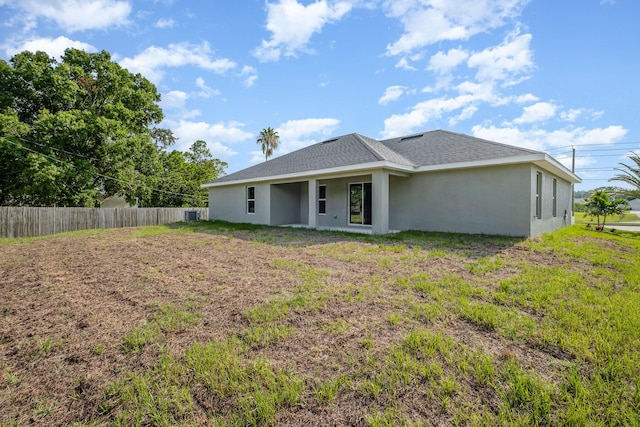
[337, 201]
[486, 200]
[286, 201]
[549, 222]
[229, 203]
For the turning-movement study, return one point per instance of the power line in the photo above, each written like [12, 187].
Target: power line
[595, 144]
[99, 174]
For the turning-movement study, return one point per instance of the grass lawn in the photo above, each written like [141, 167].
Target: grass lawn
[221, 324]
[627, 218]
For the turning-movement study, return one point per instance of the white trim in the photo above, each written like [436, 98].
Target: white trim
[554, 198]
[539, 192]
[250, 200]
[322, 199]
[338, 172]
[542, 160]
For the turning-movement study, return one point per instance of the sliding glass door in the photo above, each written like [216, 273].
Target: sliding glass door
[360, 203]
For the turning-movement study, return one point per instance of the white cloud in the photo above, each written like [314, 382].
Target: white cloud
[217, 135]
[165, 23]
[175, 99]
[580, 161]
[249, 74]
[297, 134]
[53, 47]
[469, 96]
[298, 128]
[538, 112]
[540, 139]
[205, 91]
[466, 114]
[423, 112]
[292, 25]
[77, 15]
[151, 62]
[526, 98]
[392, 93]
[444, 62]
[404, 64]
[430, 21]
[509, 62]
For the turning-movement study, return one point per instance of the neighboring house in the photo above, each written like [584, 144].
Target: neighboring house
[432, 181]
[115, 202]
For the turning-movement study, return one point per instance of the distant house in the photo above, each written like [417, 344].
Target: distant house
[432, 181]
[115, 202]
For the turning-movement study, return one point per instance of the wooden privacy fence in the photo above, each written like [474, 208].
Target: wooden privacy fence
[30, 222]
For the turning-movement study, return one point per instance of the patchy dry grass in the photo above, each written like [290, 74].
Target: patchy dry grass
[221, 324]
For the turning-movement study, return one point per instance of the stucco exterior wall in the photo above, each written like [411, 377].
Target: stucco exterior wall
[285, 204]
[492, 200]
[229, 203]
[549, 222]
[489, 200]
[337, 200]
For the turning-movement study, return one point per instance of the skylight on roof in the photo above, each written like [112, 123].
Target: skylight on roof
[411, 137]
[330, 140]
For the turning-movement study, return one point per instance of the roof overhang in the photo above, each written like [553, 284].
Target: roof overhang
[338, 172]
[541, 160]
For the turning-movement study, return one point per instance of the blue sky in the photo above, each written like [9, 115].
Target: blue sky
[541, 74]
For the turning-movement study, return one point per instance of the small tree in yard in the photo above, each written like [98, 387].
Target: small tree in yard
[601, 205]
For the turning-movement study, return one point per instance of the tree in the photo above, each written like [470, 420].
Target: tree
[269, 141]
[78, 130]
[630, 175]
[601, 205]
[182, 174]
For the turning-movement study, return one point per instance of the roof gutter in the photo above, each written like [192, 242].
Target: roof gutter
[541, 160]
[342, 171]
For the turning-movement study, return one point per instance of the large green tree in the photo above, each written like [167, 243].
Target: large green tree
[630, 175]
[75, 131]
[268, 139]
[182, 174]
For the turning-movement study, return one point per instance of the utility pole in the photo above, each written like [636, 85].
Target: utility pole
[573, 170]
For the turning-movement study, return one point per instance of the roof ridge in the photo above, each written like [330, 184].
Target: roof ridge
[363, 139]
[368, 146]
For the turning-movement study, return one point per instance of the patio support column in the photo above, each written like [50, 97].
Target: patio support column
[312, 203]
[380, 202]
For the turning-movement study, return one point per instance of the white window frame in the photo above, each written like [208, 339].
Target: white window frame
[539, 195]
[554, 197]
[322, 200]
[251, 200]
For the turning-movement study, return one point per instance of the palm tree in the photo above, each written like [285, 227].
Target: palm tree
[630, 175]
[269, 139]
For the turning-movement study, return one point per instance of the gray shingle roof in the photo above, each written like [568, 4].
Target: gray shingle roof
[441, 147]
[429, 148]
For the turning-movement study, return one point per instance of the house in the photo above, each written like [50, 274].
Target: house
[431, 181]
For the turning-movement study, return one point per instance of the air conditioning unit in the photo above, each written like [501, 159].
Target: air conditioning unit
[191, 216]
